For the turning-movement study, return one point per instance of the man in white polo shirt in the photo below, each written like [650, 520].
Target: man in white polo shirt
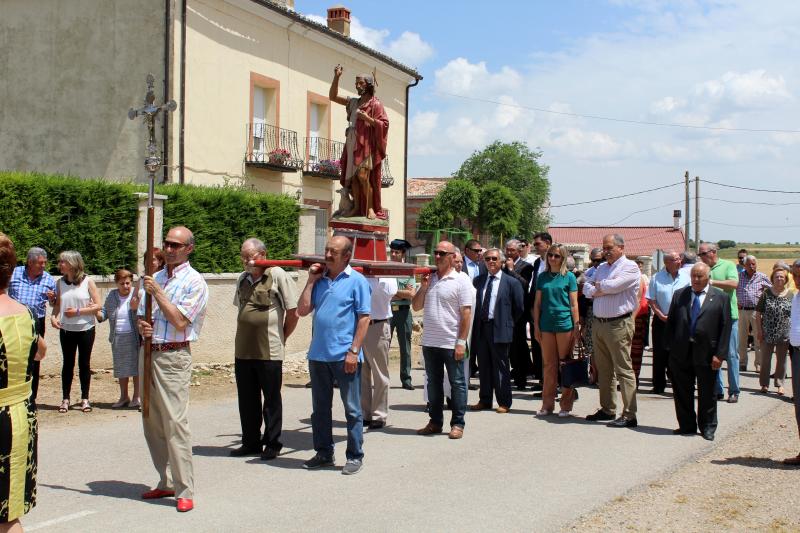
[375, 371]
[446, 297]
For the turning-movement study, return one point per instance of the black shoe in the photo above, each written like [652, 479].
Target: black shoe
[656, 391]
[366, 422]
[742, 369]
[472, 386]
[241, 451]
[708, 435]
[269, 453]
[318, 461]
[623, 422]
[680, 431]
[308, 385]
[733, 398]
[377, 424]
[536, 386]
[720, 397]
[521, 387]
[599, 416]
[408, 386]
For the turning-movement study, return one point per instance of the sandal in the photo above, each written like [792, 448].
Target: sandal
[86, 407]
[120, 404]
[780, 391]
[64, 406]
[136, 404]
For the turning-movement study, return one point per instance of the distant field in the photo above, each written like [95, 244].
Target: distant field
[764, 252]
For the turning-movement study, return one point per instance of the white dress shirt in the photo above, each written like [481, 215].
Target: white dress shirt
[382, 291]
[495, 290]
[619, 285]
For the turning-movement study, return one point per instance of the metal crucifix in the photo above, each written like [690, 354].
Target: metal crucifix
[152, 163]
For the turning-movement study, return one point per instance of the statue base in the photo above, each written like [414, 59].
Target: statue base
[369, 236]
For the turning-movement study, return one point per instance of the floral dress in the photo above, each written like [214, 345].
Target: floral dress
[775, 315]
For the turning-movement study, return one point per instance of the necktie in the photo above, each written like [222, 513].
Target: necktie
[487, 300]
[695, 312]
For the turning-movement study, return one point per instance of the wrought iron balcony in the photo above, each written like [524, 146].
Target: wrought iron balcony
[322, 158]
[271, 147]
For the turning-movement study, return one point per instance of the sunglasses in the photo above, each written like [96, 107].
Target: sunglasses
[554, 256]
[439, 253]
[476, 250]
[702, 254]
[488, 259]
[174, 245]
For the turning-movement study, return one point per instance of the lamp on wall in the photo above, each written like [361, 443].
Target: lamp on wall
[297, 194]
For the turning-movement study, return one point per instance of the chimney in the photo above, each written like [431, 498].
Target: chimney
[339, 20]
[676, 219]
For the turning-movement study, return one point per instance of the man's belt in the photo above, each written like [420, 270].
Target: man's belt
[743, 308]
[613, 318]
[377, 321]
[170, 346]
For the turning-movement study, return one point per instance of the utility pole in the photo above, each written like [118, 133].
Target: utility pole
[696, 213]
[686, 214]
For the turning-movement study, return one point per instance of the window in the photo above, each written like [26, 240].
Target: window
[264, 116]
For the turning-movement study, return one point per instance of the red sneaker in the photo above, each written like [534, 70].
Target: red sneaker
[155, 494]
[184, 505]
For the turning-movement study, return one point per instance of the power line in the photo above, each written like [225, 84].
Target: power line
[747, 188]
[621, 120]
[781, 226]
[748, 203]
[622, 219]
[616, 197]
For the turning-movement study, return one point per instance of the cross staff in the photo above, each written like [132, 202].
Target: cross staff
[152, 163]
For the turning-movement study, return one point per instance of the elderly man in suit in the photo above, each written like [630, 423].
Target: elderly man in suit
[498, 307]
[697, 336]
[520, 355]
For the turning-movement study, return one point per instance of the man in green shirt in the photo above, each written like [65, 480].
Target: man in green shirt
[401, 311]
[724, 276]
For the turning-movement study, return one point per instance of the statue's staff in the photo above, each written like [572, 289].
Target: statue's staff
[152, 163]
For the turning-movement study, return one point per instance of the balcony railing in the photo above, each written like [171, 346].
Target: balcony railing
[271, 147]
[322, 157]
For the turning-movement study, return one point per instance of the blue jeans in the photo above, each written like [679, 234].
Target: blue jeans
[322, 378]
[733, 363]
[436, 360]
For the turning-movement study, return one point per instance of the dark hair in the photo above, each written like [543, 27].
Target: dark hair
[8, 260]
[742, 250]
[543, 235]
[121, 274]
[158, 255]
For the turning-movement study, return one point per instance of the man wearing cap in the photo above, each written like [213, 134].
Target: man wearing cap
[401, 312]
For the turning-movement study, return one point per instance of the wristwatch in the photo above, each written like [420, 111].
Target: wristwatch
[352, 351]
[461, 342]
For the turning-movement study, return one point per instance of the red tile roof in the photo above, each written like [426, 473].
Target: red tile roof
[639, 240]
[425, 187]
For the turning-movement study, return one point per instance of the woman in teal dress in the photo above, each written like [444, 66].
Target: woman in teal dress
[555, 318]
[19, 347]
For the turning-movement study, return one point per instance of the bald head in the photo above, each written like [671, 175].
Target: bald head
[699, 276]
[178, 244]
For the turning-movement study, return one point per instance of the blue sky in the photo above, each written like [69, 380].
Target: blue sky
[720, 66]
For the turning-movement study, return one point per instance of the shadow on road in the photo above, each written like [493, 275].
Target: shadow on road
[114, 489]
[754, 462]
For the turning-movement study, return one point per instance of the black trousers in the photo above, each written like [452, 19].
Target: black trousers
[495, 374]
[255, 378]
[520, 355]
[536, 357]
[36, 366]
[684, 376]
[82, 342]
[660, 356]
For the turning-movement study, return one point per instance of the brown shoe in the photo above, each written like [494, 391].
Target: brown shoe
[794, 461]
[456, 432]
[502, 410]
[430, 429]
[479, 407]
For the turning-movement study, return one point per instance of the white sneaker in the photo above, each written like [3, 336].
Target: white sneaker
[564, 414]
[543, 412]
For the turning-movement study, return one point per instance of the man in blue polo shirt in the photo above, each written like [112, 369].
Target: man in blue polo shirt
[340, 299]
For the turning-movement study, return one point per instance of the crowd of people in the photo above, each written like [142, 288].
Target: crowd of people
[508, 318]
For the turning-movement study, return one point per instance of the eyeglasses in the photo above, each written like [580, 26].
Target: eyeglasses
[175, 245]
[702, 254]
[476, 250]
[554, 256]
[440, 253]
[492, 259]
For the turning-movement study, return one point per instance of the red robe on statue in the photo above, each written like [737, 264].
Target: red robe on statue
[369, 148]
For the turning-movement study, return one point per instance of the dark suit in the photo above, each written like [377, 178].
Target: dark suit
[690, 356]
[520, 355]
[473, 361]
[536, 350]
[491, 339]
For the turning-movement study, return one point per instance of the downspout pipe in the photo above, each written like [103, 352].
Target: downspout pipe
[182, 105]
[405, 163]
[165, 124]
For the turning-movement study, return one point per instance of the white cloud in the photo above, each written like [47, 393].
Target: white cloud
[461, 77]
[425, 125]
[748, 90]
[507, 114]
[409, 49]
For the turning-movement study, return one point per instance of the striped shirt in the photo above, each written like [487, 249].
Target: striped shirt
[189, 292]
[750, 288]
[619, 283]
[31, 293]
[442, 308]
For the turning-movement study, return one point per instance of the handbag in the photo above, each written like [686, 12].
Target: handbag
[575, 372]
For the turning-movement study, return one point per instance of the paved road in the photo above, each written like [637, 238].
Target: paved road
[509, 473]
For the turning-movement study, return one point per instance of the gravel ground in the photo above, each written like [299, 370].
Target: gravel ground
[740, 485]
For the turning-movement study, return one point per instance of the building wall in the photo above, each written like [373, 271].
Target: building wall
[227, 41]
[69, 72]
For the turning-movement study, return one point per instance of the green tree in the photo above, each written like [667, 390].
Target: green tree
[516, 167]
[499, 211]
[455, 206]
[725, 243]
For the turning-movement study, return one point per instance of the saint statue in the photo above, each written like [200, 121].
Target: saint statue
[365, 145]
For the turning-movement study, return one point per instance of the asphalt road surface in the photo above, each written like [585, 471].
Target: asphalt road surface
[510, 472]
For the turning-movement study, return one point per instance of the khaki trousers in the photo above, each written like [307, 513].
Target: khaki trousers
[166, 429]
[612, 355]
[747, 320]
[375, 372]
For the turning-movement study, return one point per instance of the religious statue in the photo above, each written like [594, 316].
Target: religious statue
[365, 145]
